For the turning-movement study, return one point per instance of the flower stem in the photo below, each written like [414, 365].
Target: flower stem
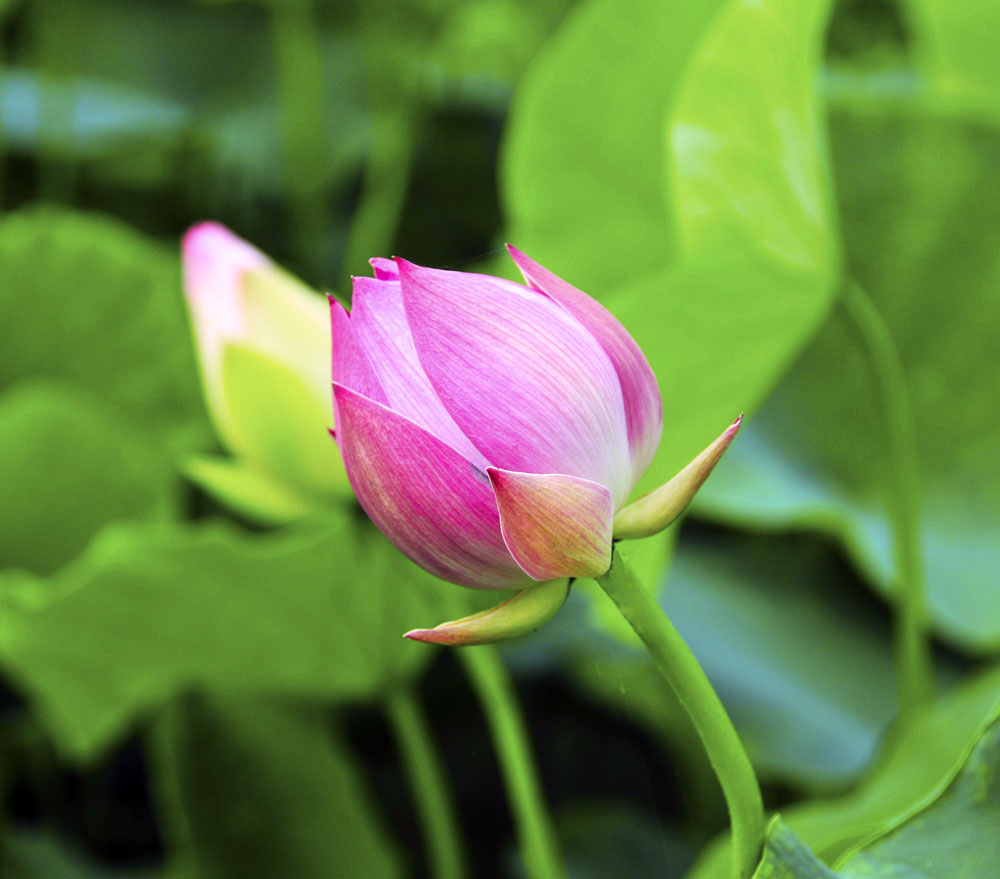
[535, 832]
[914, 664]
[677, 664]
[427, 783]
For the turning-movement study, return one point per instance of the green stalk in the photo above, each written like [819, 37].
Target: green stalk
[535, 833]
[428, 784]
[676, 662]
[914, 663]
[299, 59]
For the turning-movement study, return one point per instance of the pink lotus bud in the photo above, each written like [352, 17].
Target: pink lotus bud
[491, 429]
[264, 346]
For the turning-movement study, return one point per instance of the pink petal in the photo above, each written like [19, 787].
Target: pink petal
[643, 406]
[351, 366]
[379, 319]
[430, 501]
[554, 525]
[214, 261]
[523, 380]
[385, 269]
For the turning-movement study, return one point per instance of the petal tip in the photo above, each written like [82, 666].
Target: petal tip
[525, 612]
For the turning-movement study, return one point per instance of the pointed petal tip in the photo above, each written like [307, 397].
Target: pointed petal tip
[524, 612]
[425, 635]
[656, 510]
[384, 268]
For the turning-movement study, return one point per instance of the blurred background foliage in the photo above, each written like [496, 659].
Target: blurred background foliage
[188, 694]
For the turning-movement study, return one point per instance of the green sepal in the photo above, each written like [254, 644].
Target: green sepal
[246, 491]
[521, 614]
[278, 424]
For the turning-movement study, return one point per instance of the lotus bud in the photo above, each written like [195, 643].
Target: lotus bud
[491, 429]
[263, 344]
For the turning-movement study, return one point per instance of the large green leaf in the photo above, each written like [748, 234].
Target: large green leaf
[956, 837]
[634, 130]
[317, 611]
[921, 205]
[87, 300]
[68, 466]
[585, 165]
[256, 787]
[956, 49]
[917, 762]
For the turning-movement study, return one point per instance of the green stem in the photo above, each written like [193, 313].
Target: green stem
[299, 60]
[914, 664]
[677, 664]
[535, 832]
[427, 783]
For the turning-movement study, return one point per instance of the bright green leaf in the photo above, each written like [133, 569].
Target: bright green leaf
[921, 203]
[718, 327]
[916, 764]
[316, 612]
[955, 43]
[584, 168]
[86, 300]
[68, 466]
[258, 787]
[956, 837]
[749, 161]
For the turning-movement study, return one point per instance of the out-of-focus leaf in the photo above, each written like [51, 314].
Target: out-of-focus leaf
[584, 167]
[108, 119]
[956, 49]
[68, 466]
[768, 620]
[749, 168]
[317, 611]
[718, 328]
[787, 857]
[482, 48]
[921, 206]
[917, 762]
[86, 300]
[614, 838]
[956, 837]
[258, 787]
[36, 855]
[227, 84]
